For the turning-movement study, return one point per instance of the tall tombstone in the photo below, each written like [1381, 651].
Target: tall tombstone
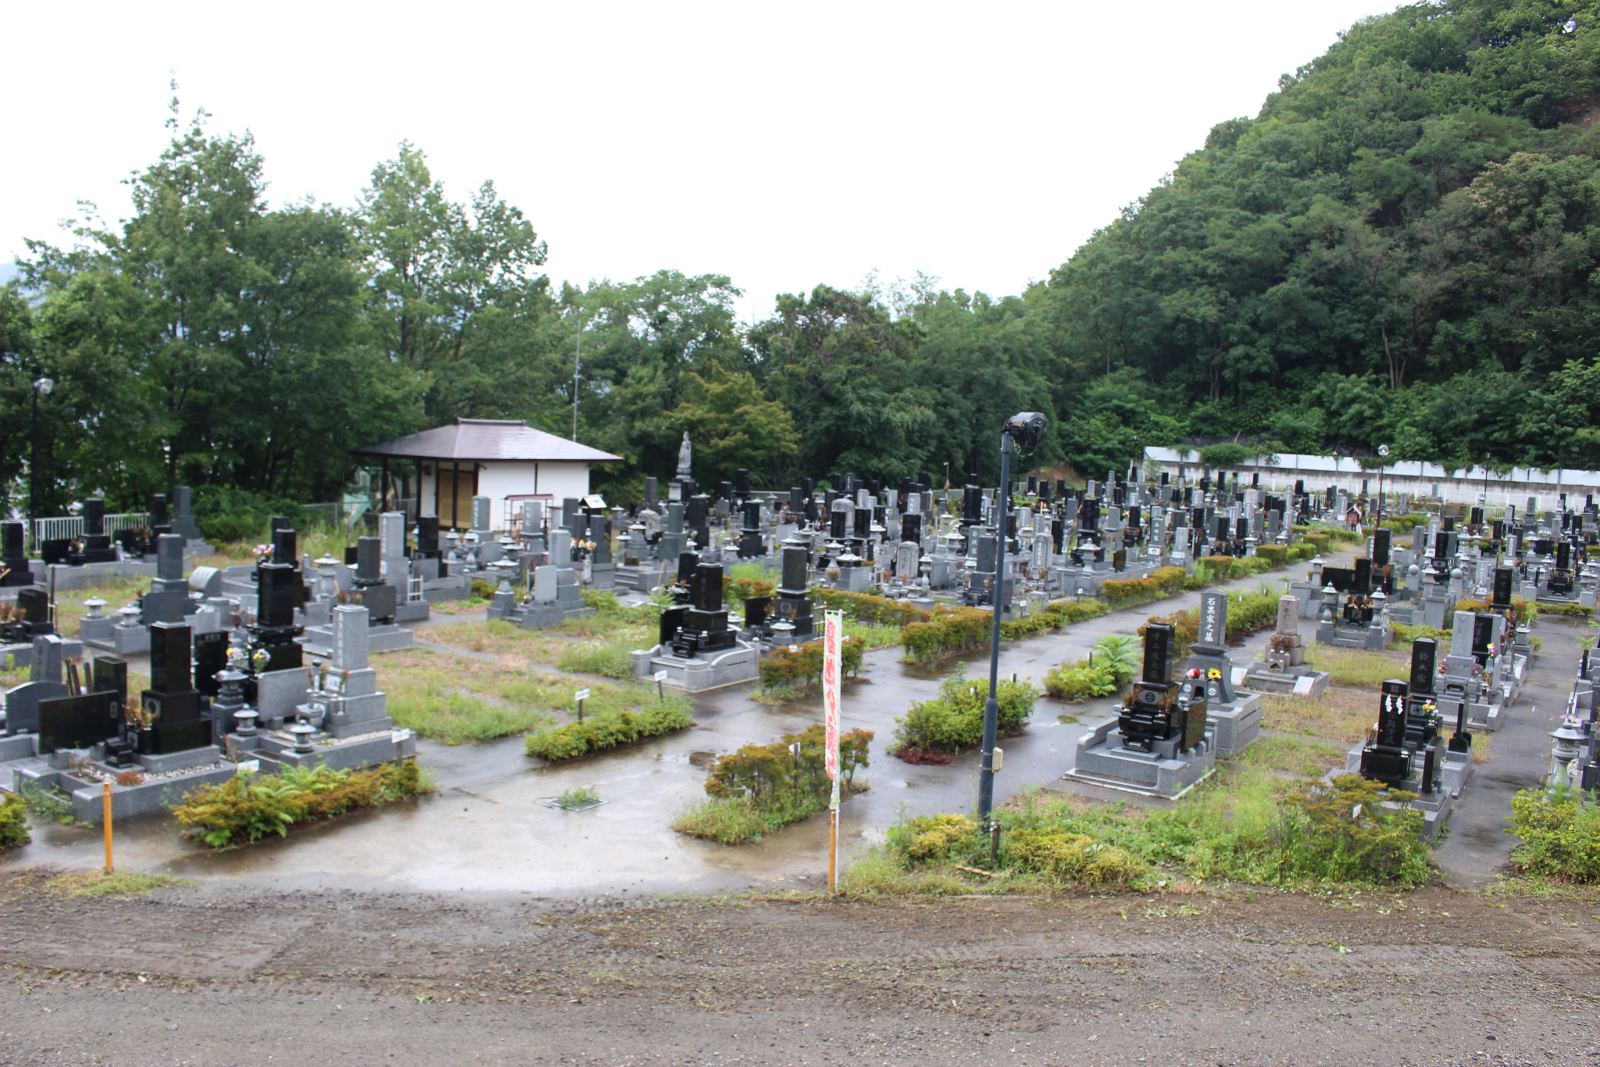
[369, 558]
[1381, 539]
[651, 491]
[183, 523]
[392, 536]
[351, 641]
[1500, 599]
[1424, 665]
[1288, 616]
[480, 515]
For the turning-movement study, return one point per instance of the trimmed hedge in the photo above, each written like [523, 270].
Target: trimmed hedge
[1247, 614]
[608, 730]
[1157, 585]
[865, 607]
[953, 631]
[800, 669]
[248, 806]
[1524, 612]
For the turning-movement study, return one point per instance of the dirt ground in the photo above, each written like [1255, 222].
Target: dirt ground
[213, 974]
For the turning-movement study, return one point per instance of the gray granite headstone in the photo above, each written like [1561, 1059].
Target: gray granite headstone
[350, 637]
[169, 557]
[544, 584]
[47, 663]
[1214, 619]
[1288, 615]
[480, 514]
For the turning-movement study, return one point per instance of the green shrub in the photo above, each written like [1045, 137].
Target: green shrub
[932, 838]
[1119, 654]
[953, 720]
[1080, 681]
[13, 821]
[1247, 614]
[1560, 832]
[609, 729]
[226, 514]
[48, 803]
[1404, 635]
[762, 788]
[481, 589]
[1571, 611]
[248, 807]
[798, 671]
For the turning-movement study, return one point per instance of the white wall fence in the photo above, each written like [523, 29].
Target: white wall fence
[71, 526]
[1420, 481]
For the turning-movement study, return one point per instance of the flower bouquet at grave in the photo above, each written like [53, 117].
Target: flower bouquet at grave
[136, 716]
[263, 553]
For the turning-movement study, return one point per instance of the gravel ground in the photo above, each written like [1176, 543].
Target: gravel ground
[223, 975]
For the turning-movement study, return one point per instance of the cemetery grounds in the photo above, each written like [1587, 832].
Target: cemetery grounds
[354, 942]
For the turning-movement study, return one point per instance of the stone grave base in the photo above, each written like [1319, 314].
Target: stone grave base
[1166, 773]
[541, 616]
[87, 574]
[713, 671]
[1372, 638]
[644, 576]
[1236, 724]
[1482, 716]
[318, 640]
[602, 576]
[1454, 770]
[275, 750]
[411, 611]
[454, 587]
[22, 655]
[17, 747]
[156, 793]
[106, 634]
[1310, 684]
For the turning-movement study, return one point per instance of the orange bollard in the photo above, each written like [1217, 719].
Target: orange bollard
[105, 806]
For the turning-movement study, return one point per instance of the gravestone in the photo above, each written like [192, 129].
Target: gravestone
[1236, 714]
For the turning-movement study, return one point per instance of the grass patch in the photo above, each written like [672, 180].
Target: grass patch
[1247, 824]
[455, 700]
[465, 606]
[872, 635]
[578, 797]
[1339, 716]
[1305, 756]
[495, 636]
[1356, 667]
[116, 593]
[75, 884]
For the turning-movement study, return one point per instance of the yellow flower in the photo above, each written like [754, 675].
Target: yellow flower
[1214, 674]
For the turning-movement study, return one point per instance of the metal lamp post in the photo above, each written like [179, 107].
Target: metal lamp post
[1383, 454]
[41, 387]
[1023, 430]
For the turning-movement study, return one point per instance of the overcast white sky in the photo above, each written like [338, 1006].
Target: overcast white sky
[784, 144]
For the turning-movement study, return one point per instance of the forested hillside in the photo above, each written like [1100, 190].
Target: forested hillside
[1400, 248]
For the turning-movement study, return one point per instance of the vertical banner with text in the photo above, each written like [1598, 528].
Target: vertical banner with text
[832, 640]
[832, 648]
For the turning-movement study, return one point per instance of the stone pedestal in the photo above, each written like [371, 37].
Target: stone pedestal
[1102, 760]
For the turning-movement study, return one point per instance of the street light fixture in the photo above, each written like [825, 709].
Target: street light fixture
[41, 387]
[1023, 431]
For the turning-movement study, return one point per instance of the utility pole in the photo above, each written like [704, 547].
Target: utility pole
[577, 366]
